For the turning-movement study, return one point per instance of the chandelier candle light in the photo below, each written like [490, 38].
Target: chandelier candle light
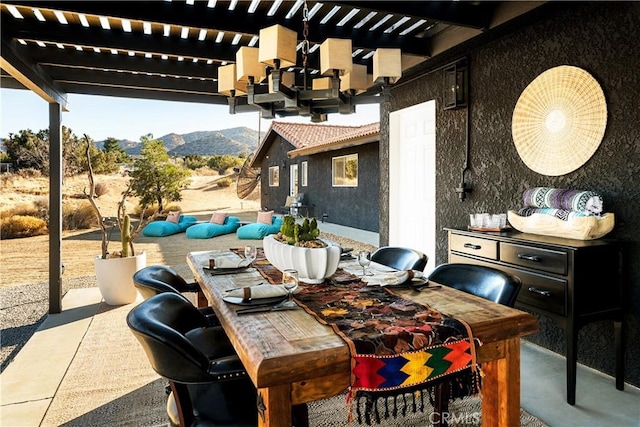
[265, 77]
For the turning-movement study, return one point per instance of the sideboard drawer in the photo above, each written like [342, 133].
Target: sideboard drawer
[542, 292]
[536, 258]
[474, 246]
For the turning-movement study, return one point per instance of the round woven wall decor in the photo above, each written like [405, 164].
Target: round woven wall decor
[559, 120]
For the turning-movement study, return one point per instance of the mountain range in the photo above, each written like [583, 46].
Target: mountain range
[231, 141]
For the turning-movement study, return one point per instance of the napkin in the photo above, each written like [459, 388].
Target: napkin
[223, 261]
[392, 278]
[258, 291]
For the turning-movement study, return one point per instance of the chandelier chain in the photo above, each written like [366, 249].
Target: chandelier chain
[305, 34]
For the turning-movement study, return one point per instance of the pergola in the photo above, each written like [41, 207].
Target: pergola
[171, 50]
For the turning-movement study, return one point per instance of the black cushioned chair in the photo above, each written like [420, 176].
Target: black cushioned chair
[209, 383]
[156, 279]
[485, 282]
[400, 258]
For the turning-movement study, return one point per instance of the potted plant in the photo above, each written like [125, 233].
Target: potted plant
[299, 247]
[114, 270]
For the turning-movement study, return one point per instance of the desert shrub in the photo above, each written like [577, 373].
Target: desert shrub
[29, 173]
[171, 207]
[80, 217]
[22, 226]
[223, 162]
[25, 209]
[147, 213]
[194, 161]
[206, 171]
[101, 189]
[7, 180]
[224, 182]
[41, 204]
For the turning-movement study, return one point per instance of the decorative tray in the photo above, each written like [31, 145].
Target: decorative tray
[580, 228]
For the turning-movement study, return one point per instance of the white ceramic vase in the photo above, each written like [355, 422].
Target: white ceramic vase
[313, 264]
[115, 278]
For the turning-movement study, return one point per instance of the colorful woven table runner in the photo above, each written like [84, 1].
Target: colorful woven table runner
[399, 348]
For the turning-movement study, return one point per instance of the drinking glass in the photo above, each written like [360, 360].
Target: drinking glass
[250, 253]
[290, 283]
[364, 259]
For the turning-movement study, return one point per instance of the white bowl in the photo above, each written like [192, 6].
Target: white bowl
[313, 264]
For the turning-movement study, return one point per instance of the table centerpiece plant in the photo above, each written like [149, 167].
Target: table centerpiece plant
[305, 235]
[299, 247]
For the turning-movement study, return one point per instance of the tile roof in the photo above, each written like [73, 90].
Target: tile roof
[303, 135]
[309, 138]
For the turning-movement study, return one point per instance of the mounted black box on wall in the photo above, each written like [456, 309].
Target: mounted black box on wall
[456, 85]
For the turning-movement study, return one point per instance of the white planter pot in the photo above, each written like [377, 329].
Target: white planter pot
[115, 278]
[313, 264]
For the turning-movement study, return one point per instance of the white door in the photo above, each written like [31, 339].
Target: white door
[412, 176]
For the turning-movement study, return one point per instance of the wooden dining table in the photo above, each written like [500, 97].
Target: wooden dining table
[293, 359]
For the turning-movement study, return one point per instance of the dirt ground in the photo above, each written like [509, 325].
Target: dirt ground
[25, 261]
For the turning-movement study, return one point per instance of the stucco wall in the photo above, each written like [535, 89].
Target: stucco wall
[350, 206]
[601, 38]
[273, 198]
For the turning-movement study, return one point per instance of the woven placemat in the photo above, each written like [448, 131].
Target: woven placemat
[559, 120]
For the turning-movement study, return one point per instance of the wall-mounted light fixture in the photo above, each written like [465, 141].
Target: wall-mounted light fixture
[455, 96]
[456, 86]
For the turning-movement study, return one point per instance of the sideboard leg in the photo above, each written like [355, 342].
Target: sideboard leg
[572, 360]
[618, 326]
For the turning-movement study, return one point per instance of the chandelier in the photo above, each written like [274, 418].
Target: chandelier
[268, 78]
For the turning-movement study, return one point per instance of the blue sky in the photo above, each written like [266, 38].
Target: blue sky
[101, 117]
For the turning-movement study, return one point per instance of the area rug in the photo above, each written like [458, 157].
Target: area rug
[110, 383]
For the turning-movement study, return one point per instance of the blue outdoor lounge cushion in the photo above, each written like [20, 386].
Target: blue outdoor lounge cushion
[167, 228]
[208, 230]
[258, 230]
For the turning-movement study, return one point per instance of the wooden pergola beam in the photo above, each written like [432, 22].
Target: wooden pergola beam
[30, 74]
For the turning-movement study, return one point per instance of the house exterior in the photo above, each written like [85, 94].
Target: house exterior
[336, 167]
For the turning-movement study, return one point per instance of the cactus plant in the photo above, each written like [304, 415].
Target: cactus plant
[306, 234]
[125, 235]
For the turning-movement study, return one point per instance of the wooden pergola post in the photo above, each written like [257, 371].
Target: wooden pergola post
[55, 208]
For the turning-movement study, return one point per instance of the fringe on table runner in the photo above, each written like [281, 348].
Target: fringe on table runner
[374, 407]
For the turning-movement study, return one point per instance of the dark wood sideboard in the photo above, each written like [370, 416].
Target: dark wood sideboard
[573, 282]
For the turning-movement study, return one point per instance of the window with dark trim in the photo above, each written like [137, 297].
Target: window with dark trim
[344, 170]
[274, 176]
[303, 178]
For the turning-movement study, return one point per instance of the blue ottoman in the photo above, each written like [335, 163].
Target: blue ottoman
[167, 228]
[208, 230]
[258, 230]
